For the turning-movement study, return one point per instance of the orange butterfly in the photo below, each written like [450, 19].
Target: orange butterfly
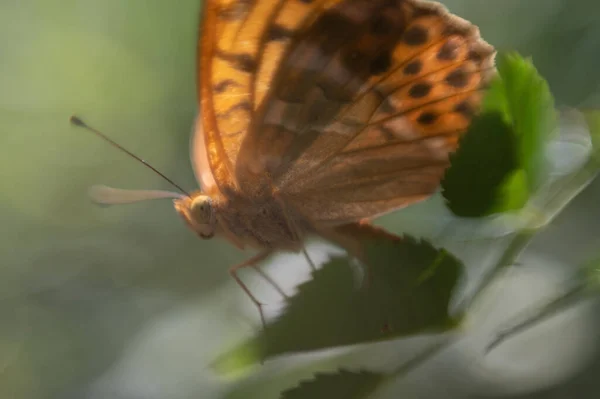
[317, 115]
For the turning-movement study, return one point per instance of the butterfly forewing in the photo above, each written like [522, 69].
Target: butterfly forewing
[241, 46]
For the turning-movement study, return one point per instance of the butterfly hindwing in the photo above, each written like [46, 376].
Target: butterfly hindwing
[361, 122]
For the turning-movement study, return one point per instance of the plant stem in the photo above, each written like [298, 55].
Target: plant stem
[517, 244]
[566, 299]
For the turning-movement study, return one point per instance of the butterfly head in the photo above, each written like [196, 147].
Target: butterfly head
[199, 213]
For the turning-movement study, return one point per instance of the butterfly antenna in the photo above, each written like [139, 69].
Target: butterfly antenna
[78, 122]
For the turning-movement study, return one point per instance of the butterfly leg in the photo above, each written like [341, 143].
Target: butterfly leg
[250, 263]
[270, 280]
[253, 263]
[312, 265]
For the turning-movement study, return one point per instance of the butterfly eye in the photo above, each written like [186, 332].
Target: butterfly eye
[201, 210]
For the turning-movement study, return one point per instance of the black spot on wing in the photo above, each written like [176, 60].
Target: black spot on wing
[224, 85]
[448, 51]
[413, 67]
[465, 108]
[419, 90]
[427, 118]
[458, 78]
[416, 35]
[242, 62]
[278, 32]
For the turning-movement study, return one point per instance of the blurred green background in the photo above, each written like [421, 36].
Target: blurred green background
[125, 302]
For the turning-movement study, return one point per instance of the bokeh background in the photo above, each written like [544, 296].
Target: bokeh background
[125, 302]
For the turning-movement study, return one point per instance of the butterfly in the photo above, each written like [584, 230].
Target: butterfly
[317, 116]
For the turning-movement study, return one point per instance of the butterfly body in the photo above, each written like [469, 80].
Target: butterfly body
[247, 223]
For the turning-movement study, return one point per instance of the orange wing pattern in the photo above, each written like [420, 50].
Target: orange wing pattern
[241, 46]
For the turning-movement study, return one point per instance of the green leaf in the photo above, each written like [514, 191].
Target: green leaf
[495, 101]
[485, 159]
[407, 289]
[507, 139]
[341, 385]
[512, 193]
[530, 109]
